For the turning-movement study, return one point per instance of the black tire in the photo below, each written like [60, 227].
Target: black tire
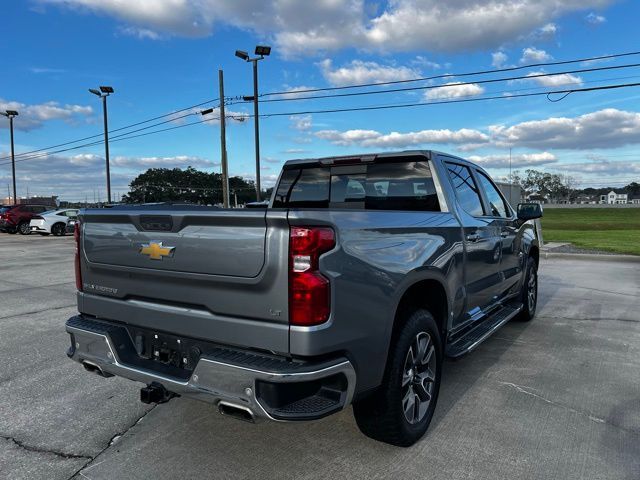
[24, 228]
[58, 229]
[529, 292]
[383, 415]
[12, 231]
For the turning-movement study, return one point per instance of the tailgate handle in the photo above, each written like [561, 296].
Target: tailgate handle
[156, 223]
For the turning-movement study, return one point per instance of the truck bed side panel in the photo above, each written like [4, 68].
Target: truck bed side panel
[379, 255]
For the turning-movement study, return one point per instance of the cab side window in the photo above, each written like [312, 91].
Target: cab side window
[466, 189]
[497, 205]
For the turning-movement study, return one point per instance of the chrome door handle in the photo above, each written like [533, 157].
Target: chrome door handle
[504, 234]
[473, 237]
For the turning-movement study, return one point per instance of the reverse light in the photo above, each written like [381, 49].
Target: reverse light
[76, 261]
[309, 290]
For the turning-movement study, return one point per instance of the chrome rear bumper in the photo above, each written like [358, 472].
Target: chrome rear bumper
[221, 383]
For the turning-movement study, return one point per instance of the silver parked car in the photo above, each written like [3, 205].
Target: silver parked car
[53, 222]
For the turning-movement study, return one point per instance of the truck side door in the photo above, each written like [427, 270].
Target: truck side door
[482, 244]
[502, 214]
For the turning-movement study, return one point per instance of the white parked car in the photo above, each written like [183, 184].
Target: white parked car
[53, 222]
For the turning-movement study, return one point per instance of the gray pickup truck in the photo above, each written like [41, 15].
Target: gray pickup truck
[350, 288]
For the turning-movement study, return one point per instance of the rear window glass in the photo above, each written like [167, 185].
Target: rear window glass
[381, 186]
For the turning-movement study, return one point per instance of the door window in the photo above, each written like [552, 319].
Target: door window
[497, 205]
[466, 189]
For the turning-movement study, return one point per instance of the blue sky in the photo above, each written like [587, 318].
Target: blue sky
[164, 55]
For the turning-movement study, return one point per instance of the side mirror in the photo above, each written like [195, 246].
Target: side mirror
[529, 211]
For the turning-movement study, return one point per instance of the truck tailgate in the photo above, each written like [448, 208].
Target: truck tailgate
[214, 274]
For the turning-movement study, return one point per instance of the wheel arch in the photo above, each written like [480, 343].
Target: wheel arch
[64, 225]
[428, 293]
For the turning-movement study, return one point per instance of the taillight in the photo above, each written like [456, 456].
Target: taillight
[76, 236]
[309, 290]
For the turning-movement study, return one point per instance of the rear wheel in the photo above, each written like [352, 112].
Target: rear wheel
[24, 228]
[400, 411]
[58, 229]
[529, 291]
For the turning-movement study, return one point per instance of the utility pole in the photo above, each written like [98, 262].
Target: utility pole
[256, 128]
[223, 144]
[510, 178]
[103, 93]
[261, 52]
[10, 114]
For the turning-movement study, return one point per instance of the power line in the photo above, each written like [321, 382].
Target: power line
[434, 77]
[120, 128]
[126, 136]
[443, 102]
[453, 85]
[449, 75]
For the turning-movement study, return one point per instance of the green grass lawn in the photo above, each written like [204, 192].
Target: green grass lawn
[611, 229]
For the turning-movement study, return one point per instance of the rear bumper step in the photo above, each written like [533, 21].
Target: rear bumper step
[262, 387]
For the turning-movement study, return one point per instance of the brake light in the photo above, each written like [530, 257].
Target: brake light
[76, 236]
[309, 292]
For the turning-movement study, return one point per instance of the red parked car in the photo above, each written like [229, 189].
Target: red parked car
[16, 218]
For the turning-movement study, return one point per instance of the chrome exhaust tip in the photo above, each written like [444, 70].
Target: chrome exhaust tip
[236, 411]
[95, 368]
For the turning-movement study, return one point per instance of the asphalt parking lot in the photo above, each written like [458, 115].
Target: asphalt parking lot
[556, 398]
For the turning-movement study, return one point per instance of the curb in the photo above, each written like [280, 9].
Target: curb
[592, 256]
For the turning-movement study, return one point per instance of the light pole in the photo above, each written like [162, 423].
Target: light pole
[10, 114]
[103, 93]
[261, 52]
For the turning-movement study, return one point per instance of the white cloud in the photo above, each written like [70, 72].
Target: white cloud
[546, 32]
[555, 80]
[302, 28]
[178, 161]
[517, 161]
[141, 33]
[358, 72]
[301, 122]
[73, 177]
[33, 116]
[605, 168]
[295, 92]
[295, 151]
[454, 90]
[608, 128]
[595, 19]
[373, 138]
[534, 55]
[498, 59]
[423, 61]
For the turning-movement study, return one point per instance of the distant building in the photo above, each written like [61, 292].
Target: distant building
[614, 198]
[48, 201]
[537, 198]
[586, 199]
[635, 199]
[512, 192]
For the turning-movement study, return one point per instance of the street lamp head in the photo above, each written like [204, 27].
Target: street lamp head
[248, 98]
[12, 113]
[206, 112]
[105, 89]
[242, 54]
[263, 50]
[95, 91]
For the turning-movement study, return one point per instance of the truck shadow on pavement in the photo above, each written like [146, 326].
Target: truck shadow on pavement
[201, 443]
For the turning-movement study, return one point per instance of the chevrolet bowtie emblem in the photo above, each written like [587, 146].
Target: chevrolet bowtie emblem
[156, 250]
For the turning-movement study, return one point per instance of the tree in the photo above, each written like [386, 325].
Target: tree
[188, 186]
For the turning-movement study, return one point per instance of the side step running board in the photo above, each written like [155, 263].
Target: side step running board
[479, 334]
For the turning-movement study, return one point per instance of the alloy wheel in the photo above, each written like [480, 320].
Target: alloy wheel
[418, 378]
[532, 290]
